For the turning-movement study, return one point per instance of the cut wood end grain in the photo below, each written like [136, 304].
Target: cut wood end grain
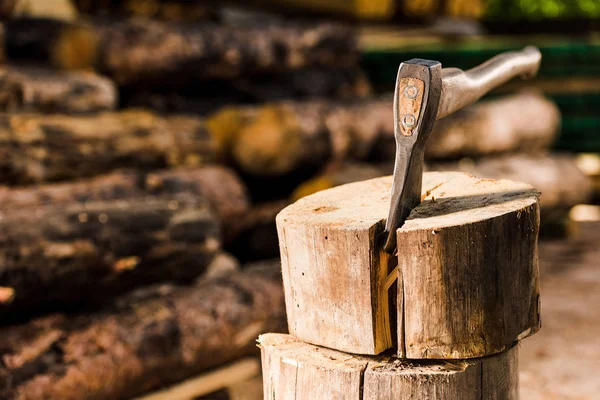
[458, 196]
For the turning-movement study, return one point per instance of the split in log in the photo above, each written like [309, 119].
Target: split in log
[296, 370]
[42, 90]
[282, 138]
[37, 148]
[458, 295]
[91, 240]
[150, 338]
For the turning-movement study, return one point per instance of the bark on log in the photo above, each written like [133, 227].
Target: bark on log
[91, 240]
[169, 10]
[36, 148]
[454, 243]
[148, 339]
[42, 90]
[207, 97]
[296, 370]
[277, 139]
[144, 51]
[51, 42]
[255, 235]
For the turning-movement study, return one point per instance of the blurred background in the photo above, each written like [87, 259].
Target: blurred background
[147, 145]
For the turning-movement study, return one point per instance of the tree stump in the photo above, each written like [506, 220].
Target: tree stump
[467, 268]
[294, 370]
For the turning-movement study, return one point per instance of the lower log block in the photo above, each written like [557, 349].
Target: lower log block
[294, 370]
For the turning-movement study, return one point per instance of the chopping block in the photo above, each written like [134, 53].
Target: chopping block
[463, 283]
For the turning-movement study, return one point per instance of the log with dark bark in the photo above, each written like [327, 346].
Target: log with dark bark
[36, 147]
[153, 52]
[525, 122]
[207, 97]
[281, 138]
[88, 241]
[43, 41]
[148, 339]
[43, 90]
[254, 236]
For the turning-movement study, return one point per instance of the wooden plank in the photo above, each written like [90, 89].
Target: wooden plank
[208, 382]
[309, 372]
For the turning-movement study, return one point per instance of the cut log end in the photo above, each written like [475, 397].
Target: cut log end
[296, 370]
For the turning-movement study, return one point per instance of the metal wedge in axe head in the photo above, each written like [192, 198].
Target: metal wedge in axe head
[425, 93]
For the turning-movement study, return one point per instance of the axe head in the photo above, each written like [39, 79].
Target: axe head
[416, 102]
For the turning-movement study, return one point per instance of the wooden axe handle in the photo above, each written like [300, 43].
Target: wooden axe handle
[461, 88]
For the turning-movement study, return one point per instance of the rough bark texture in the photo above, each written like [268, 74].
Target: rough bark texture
[152, 52]
[148, 339]
[281, 138]
[296, 136]
[467, 256]
[296, 370]
[206, 97]
[43, 90]
[36, 148]
[90, 240]
[170, 10]
[144, 51]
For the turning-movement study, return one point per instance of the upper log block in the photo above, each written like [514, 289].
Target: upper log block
[467, 271]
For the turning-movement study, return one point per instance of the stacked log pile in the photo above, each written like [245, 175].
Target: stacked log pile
[135, 152]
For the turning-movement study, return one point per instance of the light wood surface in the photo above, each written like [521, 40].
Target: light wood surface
[294, 370]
